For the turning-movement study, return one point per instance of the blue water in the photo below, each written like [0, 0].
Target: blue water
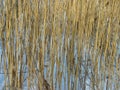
[1, 74]
[1, 81]
[64, 83]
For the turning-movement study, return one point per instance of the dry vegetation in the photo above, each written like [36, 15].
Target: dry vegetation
[60, 44]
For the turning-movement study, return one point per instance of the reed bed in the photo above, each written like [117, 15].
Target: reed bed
[60, 44]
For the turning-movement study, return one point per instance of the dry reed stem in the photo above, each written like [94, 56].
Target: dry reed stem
[85, 32]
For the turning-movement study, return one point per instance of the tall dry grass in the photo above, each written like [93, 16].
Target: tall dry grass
[60, 44]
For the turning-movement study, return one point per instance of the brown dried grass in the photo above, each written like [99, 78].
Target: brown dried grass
[34, 32]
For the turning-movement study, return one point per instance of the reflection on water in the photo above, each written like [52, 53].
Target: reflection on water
[75, 81]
